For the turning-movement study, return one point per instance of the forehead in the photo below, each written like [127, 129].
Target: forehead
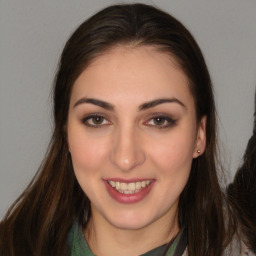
[132, 73]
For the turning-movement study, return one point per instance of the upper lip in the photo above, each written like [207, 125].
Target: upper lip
[128, 180]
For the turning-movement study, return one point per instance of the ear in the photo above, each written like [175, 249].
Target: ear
[200, 142]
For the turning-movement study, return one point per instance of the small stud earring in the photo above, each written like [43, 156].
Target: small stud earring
[198, 151]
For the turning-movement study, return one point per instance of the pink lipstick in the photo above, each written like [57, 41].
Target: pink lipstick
[128, 192]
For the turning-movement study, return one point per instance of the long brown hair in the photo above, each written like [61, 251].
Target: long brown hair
[242, 192]
[39, 221]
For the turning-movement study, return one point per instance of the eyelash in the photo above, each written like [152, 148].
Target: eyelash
[86, 120]
[167, 121]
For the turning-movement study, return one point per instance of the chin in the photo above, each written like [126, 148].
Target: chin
[130, 221]
[129, 224]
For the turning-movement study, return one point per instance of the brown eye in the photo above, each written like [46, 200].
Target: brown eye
[95, 121]
[160, 122]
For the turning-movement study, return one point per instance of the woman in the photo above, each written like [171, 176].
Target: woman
[243, 190]
[131, 166]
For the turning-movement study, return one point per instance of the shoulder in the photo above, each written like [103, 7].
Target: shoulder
[247, 251]
[185, 253]
[238, 248]
[234, 250]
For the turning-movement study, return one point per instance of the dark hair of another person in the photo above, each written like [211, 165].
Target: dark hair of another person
[242, 192]
[39, 221]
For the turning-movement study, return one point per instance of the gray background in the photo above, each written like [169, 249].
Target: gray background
[32, 34]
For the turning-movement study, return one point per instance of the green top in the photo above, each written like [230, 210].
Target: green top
[79, 247]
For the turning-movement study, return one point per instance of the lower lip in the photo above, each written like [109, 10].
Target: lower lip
[128, 198]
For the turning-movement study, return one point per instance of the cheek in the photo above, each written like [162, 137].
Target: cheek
[173, 158]
[87, 152]
[88, 157]
[176, 151]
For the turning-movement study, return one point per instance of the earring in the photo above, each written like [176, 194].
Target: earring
[198, 151]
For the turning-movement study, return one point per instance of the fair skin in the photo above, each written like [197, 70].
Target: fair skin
[132, 135]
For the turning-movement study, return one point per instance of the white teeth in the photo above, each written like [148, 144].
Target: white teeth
[123, 186]
[138, 185]
[112, 183]
[129, 188]
[128, 192]
[117, 185]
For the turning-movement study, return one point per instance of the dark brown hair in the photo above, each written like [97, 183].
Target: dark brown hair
[39, 221]
[242, 192]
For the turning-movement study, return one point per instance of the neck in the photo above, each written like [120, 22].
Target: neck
[105, 239]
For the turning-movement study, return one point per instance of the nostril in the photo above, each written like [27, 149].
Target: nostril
[126, 160]
[126, 152]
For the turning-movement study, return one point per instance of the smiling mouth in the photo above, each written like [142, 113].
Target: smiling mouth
[129, 188]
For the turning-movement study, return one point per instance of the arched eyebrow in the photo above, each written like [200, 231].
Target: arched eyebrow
[156, 102]
[100, 103]
[144, 106]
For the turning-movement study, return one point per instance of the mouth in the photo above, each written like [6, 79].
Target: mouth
[130, 187]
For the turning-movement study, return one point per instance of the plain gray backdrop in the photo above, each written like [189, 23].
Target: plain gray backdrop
[33, 33]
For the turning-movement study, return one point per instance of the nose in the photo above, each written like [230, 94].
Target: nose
[127, 152]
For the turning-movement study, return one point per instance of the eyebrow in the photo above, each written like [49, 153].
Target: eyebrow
[96, 102]
[144, 106]
[156, 102]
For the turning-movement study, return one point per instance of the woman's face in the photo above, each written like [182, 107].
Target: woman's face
[132, 135]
